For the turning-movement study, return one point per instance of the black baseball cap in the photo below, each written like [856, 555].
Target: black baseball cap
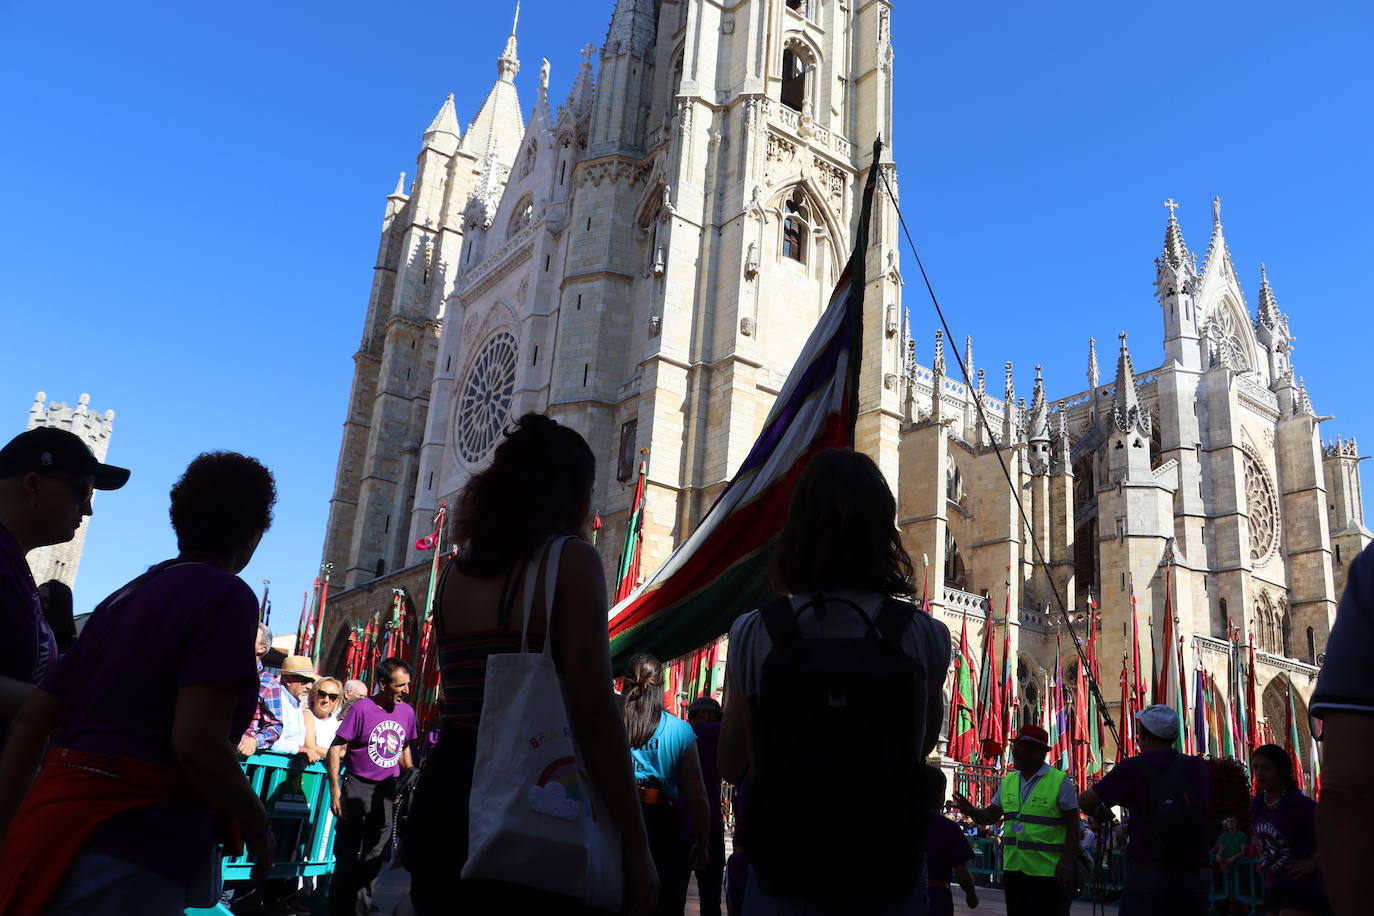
[49, 448]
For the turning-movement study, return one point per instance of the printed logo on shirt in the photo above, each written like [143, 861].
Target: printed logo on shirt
[385, 743]
[1273, 846]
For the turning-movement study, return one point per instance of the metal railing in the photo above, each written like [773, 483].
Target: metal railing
[1241, 881]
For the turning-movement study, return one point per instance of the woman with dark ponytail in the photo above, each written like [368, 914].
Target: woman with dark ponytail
[536, 492]
[1283, 822]
[666, 766]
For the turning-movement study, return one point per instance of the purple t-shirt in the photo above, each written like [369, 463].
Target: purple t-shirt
[708, 739]
[1284, 834]
[376, 738]
[180, 624]
[946, 849]
[1125, 785]
[27, 646]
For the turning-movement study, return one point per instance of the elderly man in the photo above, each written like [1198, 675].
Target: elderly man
[1040, 837]
[353, 691]
[47, 478]
[267, 724]
[297, 677]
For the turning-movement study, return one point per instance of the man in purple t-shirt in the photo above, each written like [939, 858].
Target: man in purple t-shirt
[373, 745]
[47, 478]
[1169, 831]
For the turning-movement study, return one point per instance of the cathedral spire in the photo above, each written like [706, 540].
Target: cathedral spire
[1267, 315]
[1093, 375]
[1175, 251]
[939, 366]
[1040, 413]
[508, 64]
[1126, 410]
[968, 356]
[499, 126]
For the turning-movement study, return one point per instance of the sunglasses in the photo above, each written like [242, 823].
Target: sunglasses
[326, 696]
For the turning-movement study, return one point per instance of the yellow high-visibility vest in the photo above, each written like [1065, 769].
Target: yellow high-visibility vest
[1033, 828]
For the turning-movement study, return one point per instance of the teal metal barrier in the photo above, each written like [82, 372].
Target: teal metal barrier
[1244, 880]
[296, 795]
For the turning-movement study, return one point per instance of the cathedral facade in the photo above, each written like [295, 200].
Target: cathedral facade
[644, 262]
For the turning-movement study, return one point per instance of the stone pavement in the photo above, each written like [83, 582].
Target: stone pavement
[392, 886]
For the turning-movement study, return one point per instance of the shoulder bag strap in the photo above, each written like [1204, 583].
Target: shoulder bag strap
[551, 561]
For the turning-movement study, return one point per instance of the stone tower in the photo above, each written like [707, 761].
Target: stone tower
[662, 246]
[60, 561]
[456, 175]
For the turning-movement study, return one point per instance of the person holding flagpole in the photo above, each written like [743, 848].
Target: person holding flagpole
[1039, 807]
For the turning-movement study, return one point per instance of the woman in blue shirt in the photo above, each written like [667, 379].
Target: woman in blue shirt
[664, 753]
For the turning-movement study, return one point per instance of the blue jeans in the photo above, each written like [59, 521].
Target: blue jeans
[102, 885]
[758, 903]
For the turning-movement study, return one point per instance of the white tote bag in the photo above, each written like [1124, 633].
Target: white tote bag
[534, 817]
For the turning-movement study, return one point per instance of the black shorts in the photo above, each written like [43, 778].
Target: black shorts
[1301, 897]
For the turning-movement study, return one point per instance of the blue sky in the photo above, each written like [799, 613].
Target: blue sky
[194, 191]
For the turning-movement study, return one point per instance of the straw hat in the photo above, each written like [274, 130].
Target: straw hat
[300, 666]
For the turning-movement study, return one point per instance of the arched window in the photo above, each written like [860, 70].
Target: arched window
[796, 225]
[793, 79]
[1311, 647]
[954, 481]
[1285, 622]
[954, 563]
[522, 217]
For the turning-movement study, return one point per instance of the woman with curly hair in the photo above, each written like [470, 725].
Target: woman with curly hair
[145, 711]
[536, 491]
[1283, 823]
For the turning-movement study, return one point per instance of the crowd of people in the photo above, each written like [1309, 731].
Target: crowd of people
[121, 777]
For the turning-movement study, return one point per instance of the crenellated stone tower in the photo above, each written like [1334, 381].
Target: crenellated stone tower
[60, 561]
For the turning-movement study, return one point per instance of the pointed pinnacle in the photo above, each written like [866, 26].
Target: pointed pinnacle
[1093, 375]
[400, 186]
[446, 121]
[939, 366]
[1267, 314]
[1175, 251]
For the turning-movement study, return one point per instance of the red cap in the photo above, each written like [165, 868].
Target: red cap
[1033, 734]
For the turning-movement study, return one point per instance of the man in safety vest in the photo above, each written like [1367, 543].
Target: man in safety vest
[1039, 807]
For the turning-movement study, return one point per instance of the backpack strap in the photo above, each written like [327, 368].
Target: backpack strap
[893, 619]
[780, 622]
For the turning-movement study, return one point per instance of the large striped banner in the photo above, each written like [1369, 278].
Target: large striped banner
[723, 569]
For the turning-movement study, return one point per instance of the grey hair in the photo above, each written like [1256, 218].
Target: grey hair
[264, 634]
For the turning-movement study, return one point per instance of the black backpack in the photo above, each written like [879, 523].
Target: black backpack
[1173, 816]
[836, 797]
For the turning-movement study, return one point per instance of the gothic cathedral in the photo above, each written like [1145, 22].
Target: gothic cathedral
[644, 261]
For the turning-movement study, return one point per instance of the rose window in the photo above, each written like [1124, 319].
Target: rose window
[485, 398]
[1263, 506]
